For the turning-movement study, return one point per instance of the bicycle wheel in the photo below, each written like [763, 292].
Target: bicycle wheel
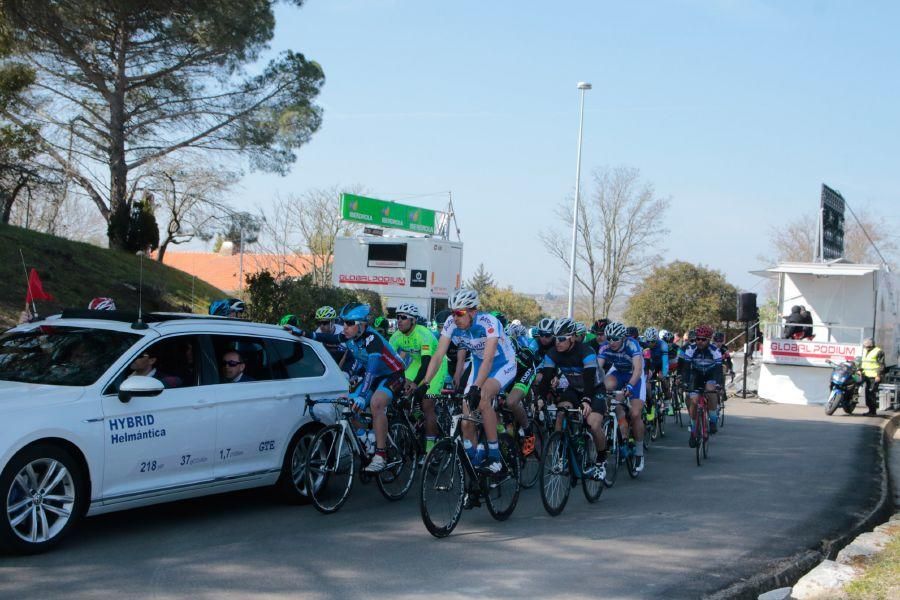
[650, 426]
[402, 459]
[661, 423]
[630, 459]
[721, 412]
[329, 469]
[592, 488]
[531, 464]
[556, 476]
[443, 489]
[613, 452]
[501, 493]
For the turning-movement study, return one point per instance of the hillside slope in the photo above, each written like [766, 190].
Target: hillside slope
[75, 272]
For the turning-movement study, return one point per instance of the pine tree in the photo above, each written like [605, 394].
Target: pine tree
[481, 281]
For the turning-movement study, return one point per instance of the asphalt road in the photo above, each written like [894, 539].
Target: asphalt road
[779, 479]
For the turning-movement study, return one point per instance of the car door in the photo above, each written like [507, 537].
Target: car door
[164, 441]
[257, 418]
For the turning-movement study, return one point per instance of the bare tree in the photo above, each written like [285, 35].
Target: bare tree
[796, 240]
[619, 223]
[190, 199]
[308, 224]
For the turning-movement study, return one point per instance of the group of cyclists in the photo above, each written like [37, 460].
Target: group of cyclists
[479, 355]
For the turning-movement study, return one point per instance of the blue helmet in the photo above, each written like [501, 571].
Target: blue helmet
[355, 311]
[225, 307]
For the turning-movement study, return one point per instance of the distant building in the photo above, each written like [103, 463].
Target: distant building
[222, 269]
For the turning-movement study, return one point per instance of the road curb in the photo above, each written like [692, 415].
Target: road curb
[786, 572]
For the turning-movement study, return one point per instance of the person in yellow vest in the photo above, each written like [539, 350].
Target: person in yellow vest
[872, 368]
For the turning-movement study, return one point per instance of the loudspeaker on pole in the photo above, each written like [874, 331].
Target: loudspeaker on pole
[746, 307]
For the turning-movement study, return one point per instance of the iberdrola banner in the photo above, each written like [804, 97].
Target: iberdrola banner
[391, 215]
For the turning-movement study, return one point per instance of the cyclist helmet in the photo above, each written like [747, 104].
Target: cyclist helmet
[651, 334]
[632, 332]
[663, 334]
[464, 298]
[599, 326]
[500, 317]
[545, 327]
[580, 328]
[564, 326]
[102, 303]
[516, 322]
[692, 335]
[718, 337]
[442, 317]
[533, 332]
[614, 331]
[226, 306]
[289, 320]
[515, 330]
[667, 336]
[355, 311]
[704, 331]
[326, 313]
[381, 324]
[409, 309]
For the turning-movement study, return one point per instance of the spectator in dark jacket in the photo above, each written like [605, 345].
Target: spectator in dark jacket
[791, 331]
[807, 320]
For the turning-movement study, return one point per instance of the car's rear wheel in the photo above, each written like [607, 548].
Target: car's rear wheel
[44, 495]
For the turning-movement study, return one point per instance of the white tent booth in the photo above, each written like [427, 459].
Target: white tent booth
[848, 303]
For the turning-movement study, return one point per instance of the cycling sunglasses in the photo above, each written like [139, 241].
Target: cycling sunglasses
[613, 338]
[320, 323]
[561, 338]
[404, 318]
[701, 339]
[461, 312]
[350, 323]
[232, 363]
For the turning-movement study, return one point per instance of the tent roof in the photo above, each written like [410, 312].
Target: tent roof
[821, 269]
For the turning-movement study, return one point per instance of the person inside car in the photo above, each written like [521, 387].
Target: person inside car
[233, 368]
[145, 365]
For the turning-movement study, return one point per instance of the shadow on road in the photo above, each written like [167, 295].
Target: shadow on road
[779, 479]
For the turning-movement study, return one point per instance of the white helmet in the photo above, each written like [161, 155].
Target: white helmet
[409, 309]
[651, 334]
[663, 334]
[516, 322]
[464, 298]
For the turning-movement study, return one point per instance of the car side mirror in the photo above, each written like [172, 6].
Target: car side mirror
[140, 386]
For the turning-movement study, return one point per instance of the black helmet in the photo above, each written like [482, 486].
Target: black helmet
[632, 332]
[599, 325]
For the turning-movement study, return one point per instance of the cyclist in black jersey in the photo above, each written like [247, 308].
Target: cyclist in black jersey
[578, 364]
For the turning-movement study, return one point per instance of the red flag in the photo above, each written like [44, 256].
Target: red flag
[36, 289]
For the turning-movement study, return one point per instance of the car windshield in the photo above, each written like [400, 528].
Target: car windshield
[58, 355]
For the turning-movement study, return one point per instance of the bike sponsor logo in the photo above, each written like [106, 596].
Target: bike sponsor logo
[798, 352]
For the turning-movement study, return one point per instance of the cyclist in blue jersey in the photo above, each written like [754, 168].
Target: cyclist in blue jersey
[576, 362]
[526, 371]
[377, 363]
[656, 360]
[625, 362]
[493, 368]
[703, 368]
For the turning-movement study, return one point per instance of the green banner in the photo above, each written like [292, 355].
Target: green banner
[393, 215]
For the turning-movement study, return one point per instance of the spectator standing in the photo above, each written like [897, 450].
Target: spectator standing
[872, 368]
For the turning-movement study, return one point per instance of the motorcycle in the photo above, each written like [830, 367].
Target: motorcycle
[845, 382]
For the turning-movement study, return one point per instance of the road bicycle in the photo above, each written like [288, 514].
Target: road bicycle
[568, 456]
[450, 482]
[336, 451]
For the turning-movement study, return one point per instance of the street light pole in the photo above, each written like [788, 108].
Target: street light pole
[583, 86]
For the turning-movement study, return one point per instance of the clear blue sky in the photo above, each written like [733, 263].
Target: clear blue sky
[737, 110]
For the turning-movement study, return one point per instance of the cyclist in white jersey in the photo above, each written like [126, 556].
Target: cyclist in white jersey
[493, 367]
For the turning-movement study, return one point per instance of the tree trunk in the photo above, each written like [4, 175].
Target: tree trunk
[8, 202]
[118, 167]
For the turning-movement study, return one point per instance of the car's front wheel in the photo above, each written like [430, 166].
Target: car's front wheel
[293, 472]
[43, 495]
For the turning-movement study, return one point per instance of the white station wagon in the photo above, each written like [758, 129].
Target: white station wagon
[83, 433]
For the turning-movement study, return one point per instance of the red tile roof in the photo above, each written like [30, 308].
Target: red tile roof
[222, 270]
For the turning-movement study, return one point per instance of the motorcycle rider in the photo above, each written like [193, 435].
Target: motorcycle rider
[872, 367]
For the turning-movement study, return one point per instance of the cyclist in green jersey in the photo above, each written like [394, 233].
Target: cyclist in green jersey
[416, 344]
